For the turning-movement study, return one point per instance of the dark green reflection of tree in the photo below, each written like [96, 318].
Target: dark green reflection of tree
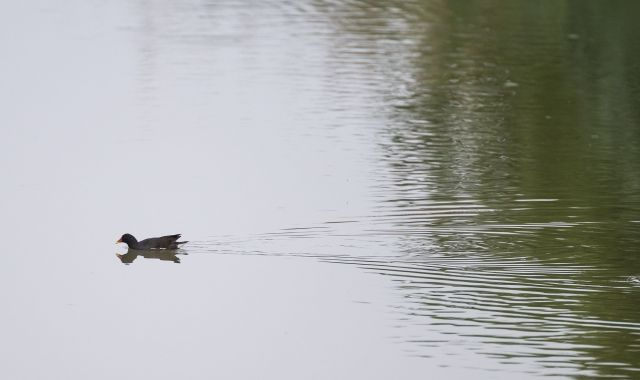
[506, 101]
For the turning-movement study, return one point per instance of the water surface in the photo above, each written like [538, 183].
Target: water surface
[371, 189]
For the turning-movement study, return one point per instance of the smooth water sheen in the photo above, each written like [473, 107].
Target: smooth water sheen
[371, 190]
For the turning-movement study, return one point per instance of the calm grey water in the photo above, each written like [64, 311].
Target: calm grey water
[371, 190]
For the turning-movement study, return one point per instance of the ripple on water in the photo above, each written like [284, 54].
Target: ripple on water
[526, 291]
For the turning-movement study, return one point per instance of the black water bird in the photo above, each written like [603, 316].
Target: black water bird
[163, 242]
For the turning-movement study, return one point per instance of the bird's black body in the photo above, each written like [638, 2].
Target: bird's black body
[163, 242]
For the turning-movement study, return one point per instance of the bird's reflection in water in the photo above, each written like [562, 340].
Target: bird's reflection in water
[164, 255]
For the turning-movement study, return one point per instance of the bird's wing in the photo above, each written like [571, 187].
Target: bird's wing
[172, 237]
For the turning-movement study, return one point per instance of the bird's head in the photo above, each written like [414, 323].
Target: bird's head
[128, 239]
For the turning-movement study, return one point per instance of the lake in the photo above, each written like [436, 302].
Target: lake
[370, 189]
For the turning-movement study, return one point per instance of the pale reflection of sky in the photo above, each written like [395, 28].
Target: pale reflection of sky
[114, 122]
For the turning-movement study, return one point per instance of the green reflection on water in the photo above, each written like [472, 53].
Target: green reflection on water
[528, 111]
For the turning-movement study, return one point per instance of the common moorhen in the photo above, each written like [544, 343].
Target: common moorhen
[163, 242]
